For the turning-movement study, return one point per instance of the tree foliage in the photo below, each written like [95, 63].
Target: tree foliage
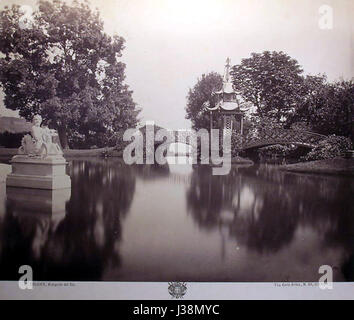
[282, 96]
[327, 108]
[62, 65]
[331, 147]
[271, 81]
[200, 94]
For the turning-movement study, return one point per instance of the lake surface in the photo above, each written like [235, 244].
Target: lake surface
[179, 223]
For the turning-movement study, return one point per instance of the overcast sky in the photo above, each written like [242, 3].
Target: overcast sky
[170, 43]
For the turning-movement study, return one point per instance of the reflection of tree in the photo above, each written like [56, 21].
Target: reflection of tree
[271, 229]
[348, 268]
[340, 233]
[261, 207]
[87, 240]
[208, 194]
[251, 212]
[272, 225]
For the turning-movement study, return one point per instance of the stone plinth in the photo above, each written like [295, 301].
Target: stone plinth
[37, 173]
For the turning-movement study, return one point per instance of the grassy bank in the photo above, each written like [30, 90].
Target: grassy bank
[336, 166]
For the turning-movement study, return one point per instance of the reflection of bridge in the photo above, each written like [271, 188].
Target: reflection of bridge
[259, 138]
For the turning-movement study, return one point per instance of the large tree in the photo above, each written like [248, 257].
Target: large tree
[271, 81]
[62, 65]
[200, 94]
[327, 108]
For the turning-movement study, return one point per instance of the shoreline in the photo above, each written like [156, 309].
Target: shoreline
[9, 152]
[336, 166]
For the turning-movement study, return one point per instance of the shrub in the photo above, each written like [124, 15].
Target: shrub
[331, 147]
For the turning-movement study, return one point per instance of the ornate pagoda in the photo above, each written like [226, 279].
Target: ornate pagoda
[227, 105]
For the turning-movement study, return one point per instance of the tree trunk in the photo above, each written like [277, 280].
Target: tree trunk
[63, 137]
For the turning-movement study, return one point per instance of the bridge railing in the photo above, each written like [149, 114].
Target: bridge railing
[282, 136]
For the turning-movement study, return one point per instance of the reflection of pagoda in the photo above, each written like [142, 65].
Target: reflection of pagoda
[227, 104]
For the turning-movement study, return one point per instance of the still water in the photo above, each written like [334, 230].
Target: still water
[179, 223]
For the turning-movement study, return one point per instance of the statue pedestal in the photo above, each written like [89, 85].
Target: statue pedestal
[37, 173]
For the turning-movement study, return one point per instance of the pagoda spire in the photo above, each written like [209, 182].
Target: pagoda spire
[227, 70]
[225, 98]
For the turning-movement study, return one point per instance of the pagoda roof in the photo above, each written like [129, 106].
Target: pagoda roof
[227, 88]
[229, 106]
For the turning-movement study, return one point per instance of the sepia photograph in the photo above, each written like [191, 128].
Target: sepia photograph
[176, 143]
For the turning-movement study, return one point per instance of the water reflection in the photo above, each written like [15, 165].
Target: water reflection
[265, 209]
[262, 208]
[81, 243]
[163, 223]
[22, 201]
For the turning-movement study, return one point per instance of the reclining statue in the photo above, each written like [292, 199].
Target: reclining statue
[40, 144]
